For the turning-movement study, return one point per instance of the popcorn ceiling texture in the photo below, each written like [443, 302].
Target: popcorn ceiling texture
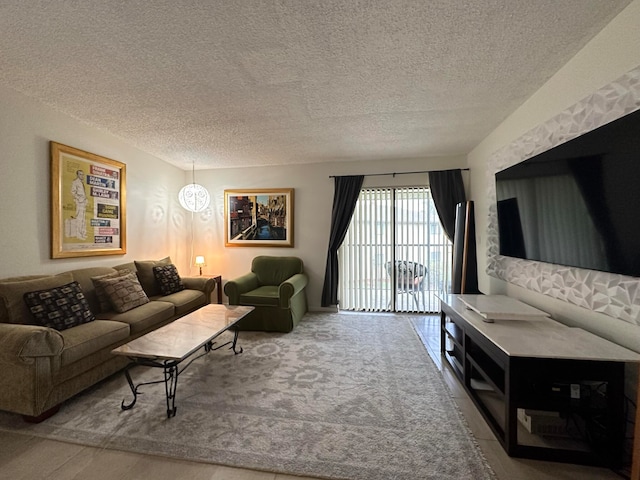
[247, 83]
[617, 296]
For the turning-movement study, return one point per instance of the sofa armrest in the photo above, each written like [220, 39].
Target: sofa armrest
[19, 343]
[204, 284]
[291, 287]
[236, 287]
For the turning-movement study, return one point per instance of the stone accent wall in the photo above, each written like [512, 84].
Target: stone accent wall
[615, 295]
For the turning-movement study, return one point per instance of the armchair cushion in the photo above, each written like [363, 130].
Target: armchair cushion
[265, 295]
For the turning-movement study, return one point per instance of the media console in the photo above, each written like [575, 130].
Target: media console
[548, 391]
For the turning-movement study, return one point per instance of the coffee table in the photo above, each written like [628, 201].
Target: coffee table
[168, 346]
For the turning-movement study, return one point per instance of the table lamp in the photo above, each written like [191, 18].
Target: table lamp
[200, 262]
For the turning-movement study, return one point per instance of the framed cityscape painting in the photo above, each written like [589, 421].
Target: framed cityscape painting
[88, 204]
[258, 218]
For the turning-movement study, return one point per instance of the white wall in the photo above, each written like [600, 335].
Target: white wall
[156, 223]
[313, 200]
[612, 53]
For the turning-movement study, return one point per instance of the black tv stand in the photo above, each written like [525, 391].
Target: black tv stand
[547, 391]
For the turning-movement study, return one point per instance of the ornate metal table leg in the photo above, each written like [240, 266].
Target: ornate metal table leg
[134, 390]
[171, 373]
[170, 385]
[235, 340]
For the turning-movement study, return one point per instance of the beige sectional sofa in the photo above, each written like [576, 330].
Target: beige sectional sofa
[44, 366]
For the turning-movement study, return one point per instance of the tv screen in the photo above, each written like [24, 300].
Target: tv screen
[577, 204]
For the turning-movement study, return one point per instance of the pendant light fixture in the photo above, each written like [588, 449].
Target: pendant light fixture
[194, 197]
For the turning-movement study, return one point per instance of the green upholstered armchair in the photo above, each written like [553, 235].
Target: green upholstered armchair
[276, 287]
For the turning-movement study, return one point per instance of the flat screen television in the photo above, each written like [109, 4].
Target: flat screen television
[577, 204]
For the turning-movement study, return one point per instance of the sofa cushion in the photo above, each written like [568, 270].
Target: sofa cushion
[83, 277]
[59, 307]
[144, 317]
[131, 266]
[168, 279]
[85, 340]
[144, 269]
[104, 305]
[124, 292]
[13, 309]
[265, 295]
[185, 300]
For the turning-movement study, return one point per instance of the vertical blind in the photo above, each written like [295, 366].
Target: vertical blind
[393, 227]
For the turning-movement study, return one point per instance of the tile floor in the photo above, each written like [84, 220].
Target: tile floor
[24, 457]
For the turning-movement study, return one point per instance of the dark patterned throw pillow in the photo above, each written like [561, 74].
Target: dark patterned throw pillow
[60, 308]
[168, 279]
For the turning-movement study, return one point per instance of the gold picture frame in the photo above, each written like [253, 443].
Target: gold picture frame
[88, 204]
[258, 217]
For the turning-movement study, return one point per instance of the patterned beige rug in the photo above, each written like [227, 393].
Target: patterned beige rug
[341, 397]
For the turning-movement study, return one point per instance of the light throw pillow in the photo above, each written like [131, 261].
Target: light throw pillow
[144, 269]
[168, 279]
[124, 293]
[103, 298]
[59, 307]
[12, 306]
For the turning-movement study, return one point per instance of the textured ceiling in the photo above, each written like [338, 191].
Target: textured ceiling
[272, 82]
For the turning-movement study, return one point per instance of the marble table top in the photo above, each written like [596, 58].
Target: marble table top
[501, 307]
[182, 337]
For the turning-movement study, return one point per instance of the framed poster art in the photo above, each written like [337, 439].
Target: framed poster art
[258, 218]
[88, 204]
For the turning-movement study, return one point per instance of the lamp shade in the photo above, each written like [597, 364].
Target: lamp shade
[194, 197]
[200, 260]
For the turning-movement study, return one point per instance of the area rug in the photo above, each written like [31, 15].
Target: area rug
[343, 396]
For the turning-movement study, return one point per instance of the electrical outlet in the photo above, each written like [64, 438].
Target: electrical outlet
[575, 390]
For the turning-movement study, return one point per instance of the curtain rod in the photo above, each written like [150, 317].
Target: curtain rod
[400, 173]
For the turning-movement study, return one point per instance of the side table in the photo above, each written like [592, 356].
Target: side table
[218, 280]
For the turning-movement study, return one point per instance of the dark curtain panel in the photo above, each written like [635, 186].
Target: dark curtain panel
[447, 191]
[345, 196]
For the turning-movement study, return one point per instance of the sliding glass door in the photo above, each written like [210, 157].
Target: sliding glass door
[395, 256]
